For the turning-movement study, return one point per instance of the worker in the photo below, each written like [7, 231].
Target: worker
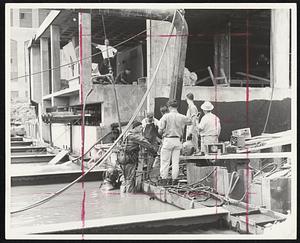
[171, 126]
[111, 180]
[163, 110]
[209, 126]
[192, 113]
[147, 122]
[188, 147]
[150, 132]
[123, 77]
[133, 141]
[108, 54]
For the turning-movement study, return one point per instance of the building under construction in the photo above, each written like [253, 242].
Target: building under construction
[238, 59]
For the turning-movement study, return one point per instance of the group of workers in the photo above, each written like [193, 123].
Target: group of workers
[163, 140]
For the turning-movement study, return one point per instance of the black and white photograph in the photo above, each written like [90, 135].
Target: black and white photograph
[150, 121]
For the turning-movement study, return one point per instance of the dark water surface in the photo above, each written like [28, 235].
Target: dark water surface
[67, 206]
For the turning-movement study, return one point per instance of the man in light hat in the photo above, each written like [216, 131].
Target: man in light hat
[209, 126]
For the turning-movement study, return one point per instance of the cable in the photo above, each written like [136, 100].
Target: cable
[95, 54]
[105, 156]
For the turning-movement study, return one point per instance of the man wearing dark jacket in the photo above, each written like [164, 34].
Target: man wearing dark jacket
[133, 141]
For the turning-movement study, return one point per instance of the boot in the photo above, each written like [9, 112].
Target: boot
[162, 182]
[175, 182]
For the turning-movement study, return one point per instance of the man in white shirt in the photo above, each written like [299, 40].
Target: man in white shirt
[108, 53]
[192, 113]
[171, 126]
[209, 126]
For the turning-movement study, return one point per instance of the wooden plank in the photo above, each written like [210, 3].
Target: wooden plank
[54, 177]
[46, 23]
[236, 156]
[28, 148]
[21, 144]
[16, 139]
[253, 76]
[268, 144]
[58, 157]
[132, 223]
[31, 158]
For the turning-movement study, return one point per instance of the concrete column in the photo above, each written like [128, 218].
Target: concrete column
[280, 37]
[55, 57]
[16, 17]
[85, 51]
[45, 77]
[35, 66]
[27, 70]
[35, 18]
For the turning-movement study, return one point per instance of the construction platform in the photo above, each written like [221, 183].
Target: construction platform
[133, 224]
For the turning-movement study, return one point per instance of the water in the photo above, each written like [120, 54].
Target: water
[67, 206]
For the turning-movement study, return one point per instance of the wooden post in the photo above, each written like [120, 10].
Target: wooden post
[55, 57]
[45, 77]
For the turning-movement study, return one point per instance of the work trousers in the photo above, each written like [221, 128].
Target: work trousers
[194, 131]
[207, 140]
[170, 151]
[128, 174]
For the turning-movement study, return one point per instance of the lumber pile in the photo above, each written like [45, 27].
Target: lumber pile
[266, 141]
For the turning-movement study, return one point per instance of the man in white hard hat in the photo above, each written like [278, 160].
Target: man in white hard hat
[209, 126]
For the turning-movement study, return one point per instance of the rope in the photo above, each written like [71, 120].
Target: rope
[105, 156]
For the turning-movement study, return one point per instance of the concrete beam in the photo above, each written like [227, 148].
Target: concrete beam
[280, 47]
[85, 51]
[45, 76]
[35, 67]
[132, 224]
[155, 14]
[55, 57]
